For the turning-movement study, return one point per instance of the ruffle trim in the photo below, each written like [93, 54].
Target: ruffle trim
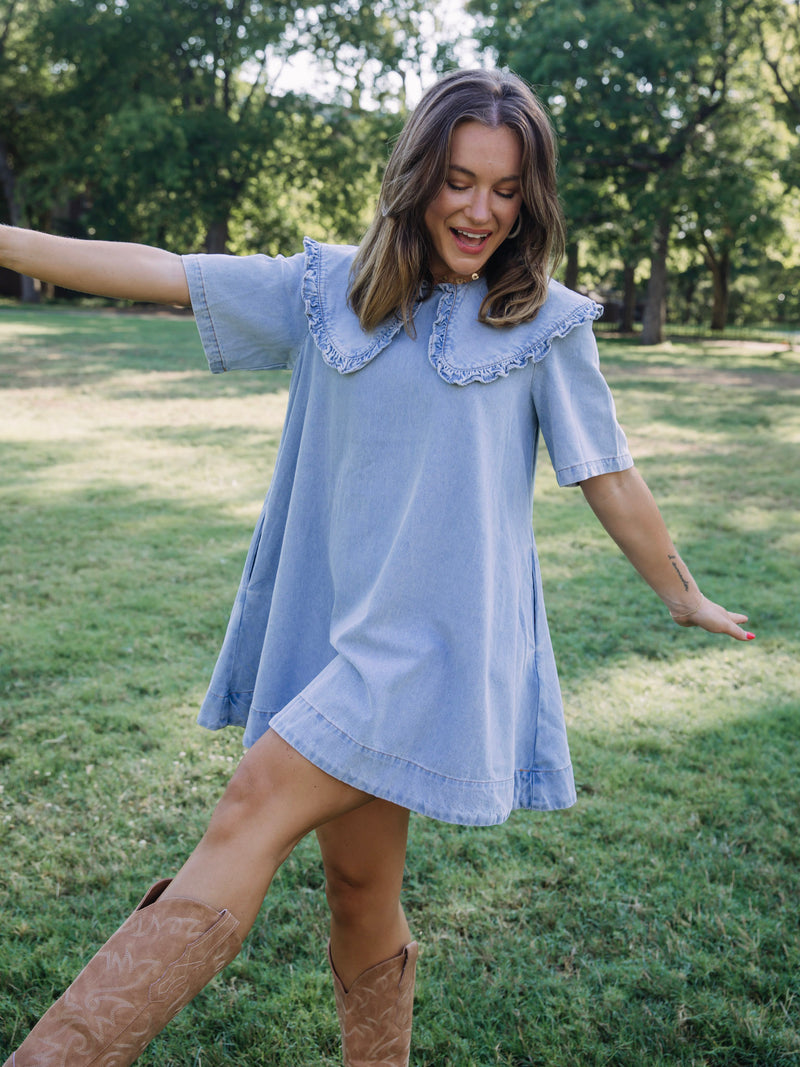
[336, 330]
[456, 331]
[553, 321]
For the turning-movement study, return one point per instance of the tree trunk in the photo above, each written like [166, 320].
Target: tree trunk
[720, 272]
[29, 289]
[628, 298]
[655, 312]
[572, 266]
[8, 182]
[217, 237]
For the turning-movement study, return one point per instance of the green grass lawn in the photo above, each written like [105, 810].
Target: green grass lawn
[656, 923]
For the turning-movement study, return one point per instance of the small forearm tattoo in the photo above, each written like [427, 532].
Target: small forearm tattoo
[674, 561]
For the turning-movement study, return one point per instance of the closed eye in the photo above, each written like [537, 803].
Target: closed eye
[463, 188]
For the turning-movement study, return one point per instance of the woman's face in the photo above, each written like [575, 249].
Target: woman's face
[478, 204]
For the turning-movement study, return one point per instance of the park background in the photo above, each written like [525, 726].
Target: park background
[654, 924]
[228, 125]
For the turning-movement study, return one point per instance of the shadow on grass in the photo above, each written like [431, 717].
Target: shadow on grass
[696, 358]
[116, 601]
[58, 349]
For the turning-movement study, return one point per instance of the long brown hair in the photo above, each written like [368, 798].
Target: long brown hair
[392, 263]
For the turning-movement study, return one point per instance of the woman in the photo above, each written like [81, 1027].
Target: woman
[388, 649]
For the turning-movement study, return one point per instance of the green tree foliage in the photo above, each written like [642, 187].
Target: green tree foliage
[170, 108]
[630, 84]
[320, 178]
[731, 185]
[367, 47]
[777, 27]
[664, 126]
[167, 124]
[26, 137]
[134, 120]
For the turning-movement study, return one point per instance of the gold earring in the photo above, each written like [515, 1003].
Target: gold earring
[514, 232]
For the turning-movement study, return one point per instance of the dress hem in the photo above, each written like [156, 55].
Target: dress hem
[401, 782]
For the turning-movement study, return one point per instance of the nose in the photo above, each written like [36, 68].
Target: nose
[478, 210]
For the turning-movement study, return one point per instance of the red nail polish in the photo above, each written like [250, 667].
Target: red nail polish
[750, 637]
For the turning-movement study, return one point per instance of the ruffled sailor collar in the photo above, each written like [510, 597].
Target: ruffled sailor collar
[461, 349]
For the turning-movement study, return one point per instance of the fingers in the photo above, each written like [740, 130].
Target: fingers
[734, 627]
[717, 620]
[740, 634]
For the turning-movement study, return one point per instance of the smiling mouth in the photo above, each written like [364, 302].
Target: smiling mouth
[470, 240]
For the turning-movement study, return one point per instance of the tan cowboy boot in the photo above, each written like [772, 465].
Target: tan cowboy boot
[375, 1012]
[160, 957]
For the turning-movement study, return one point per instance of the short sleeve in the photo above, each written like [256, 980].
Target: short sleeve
[249, 309]
[576, 410]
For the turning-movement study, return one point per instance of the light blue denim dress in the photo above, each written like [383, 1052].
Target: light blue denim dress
[390, 624]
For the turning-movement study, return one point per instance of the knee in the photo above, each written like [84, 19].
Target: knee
[356, 899]
[243, 797]
[249, 810]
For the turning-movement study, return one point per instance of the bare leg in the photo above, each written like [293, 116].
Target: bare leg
[181, 935]
[363, 852]
[273, 800]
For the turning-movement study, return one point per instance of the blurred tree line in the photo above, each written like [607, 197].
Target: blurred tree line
[678, 123]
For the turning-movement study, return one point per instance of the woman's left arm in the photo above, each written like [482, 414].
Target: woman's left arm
[626, 508]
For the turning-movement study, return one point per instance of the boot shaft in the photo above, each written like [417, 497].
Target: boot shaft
[375, 1013]
[160, 958]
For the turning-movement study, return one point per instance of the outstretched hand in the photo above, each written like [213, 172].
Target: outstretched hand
[716, 619]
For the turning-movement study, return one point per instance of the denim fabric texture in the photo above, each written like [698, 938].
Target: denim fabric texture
[390, 623]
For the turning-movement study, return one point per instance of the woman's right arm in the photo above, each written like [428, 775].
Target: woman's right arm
[102, 268]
